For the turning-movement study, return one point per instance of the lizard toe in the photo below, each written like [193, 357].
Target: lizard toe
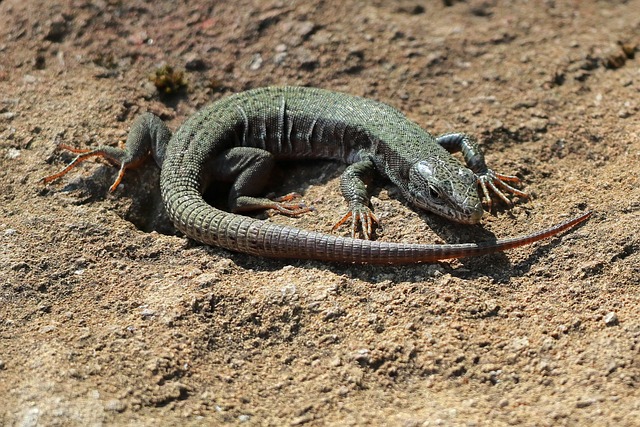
[491, 182]
[362, 218]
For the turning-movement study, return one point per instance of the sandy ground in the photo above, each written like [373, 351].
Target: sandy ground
[107, 317]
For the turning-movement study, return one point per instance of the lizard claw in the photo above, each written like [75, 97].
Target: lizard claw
[361, 217]
[284, 206]
[285, 198]
[497, 183]
[292, 209]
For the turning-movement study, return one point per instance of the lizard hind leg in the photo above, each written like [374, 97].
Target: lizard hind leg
[247, 203]
[249, 169]
[148, 134]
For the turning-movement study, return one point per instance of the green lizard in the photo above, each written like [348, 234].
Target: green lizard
[239, 138]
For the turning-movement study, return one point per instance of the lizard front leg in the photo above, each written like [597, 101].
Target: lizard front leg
[354, 189]
[249, 169]
[487, 178]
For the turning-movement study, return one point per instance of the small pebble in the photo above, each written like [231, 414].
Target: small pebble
[308, 59]
[256, 62]
[114, 405]
[56, 29]
[279, 57]
[12, 153]
[611, 319]
[147, 312]
[362, 356]
[624, 113]
[194, 62]
[585, 403]
[306, 28]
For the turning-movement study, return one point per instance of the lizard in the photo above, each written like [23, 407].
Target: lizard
[239, 138]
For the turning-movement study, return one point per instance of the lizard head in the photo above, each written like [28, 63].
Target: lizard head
[446, 188]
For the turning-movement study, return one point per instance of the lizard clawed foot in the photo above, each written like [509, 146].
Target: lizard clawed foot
[282, 205]
[497, 183]
[114, 155]
[82, 155]
[361, 217]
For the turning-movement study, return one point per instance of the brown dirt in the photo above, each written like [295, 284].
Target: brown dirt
[105, 320]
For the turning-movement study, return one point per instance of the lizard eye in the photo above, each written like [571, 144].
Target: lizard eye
[433, 192]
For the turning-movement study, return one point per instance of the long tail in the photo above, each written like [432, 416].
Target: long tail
[200, 221]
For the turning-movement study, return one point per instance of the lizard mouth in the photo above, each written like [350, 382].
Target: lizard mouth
[455, 212]
[471, 215]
